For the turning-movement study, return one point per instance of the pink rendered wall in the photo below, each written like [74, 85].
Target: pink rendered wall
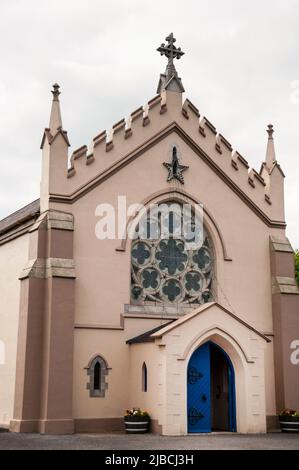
[245, 281]
[103, 274]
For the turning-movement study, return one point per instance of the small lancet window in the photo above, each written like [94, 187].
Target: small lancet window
[97, 370]
[97, 376]
[144, 377]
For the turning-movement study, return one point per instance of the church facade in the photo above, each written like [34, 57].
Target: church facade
[108, 303]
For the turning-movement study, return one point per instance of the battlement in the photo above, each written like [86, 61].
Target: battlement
[229, 160]
[116, 137]
[108, 148]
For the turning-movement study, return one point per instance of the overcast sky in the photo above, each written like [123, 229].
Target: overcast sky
[241, 69]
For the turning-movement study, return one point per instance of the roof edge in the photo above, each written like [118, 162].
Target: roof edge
[146, 336]
[30, 211]
[199, 310]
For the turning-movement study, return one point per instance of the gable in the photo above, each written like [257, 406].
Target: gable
[204, 309]
[174, 130]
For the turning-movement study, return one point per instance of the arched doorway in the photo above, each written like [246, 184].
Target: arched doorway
[211, 390]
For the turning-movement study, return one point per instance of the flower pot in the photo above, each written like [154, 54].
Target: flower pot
[289, 423]
[136, 424]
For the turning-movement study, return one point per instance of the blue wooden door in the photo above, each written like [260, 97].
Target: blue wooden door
[199, 390]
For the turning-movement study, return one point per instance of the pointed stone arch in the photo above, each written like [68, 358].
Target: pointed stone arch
[207, 335]
[176, 194]
[97, 369]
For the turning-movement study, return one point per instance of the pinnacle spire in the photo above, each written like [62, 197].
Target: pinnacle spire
[270, 152]
[55, 117]
[170, 79]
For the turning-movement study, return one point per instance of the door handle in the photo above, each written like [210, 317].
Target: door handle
[203, 398]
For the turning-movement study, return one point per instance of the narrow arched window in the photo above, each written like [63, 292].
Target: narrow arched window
[97, 370]
[144, 377]
[97, 376]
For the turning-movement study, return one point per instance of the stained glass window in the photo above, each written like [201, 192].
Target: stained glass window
[165, 269]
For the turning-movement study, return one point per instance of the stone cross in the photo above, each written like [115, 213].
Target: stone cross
[56, 92]
[171, 52]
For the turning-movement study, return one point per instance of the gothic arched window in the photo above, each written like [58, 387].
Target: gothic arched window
[165, 266]
[97, 371]
[97, 376]
[144, 377]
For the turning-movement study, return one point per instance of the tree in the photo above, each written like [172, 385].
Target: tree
[297, 266]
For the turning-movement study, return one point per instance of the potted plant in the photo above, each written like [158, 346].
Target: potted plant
[289, 420]
[136, 421]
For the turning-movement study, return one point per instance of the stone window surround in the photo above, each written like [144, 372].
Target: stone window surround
[104, 372]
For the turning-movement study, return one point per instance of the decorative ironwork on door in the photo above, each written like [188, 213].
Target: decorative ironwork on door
[199, 391]
[193, 375]
[194, 416]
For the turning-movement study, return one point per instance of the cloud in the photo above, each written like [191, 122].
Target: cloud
[240, 61]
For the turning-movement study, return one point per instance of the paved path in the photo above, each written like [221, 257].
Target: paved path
[117, 441]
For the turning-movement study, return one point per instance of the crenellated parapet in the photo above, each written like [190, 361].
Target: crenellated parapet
[121, 137]
[161, 115]
[231, 161]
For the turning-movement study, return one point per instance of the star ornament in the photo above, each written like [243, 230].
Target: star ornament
[175, 169]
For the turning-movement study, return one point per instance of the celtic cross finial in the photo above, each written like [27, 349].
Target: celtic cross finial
[171, 52]
[270, 131]
[56, 92]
